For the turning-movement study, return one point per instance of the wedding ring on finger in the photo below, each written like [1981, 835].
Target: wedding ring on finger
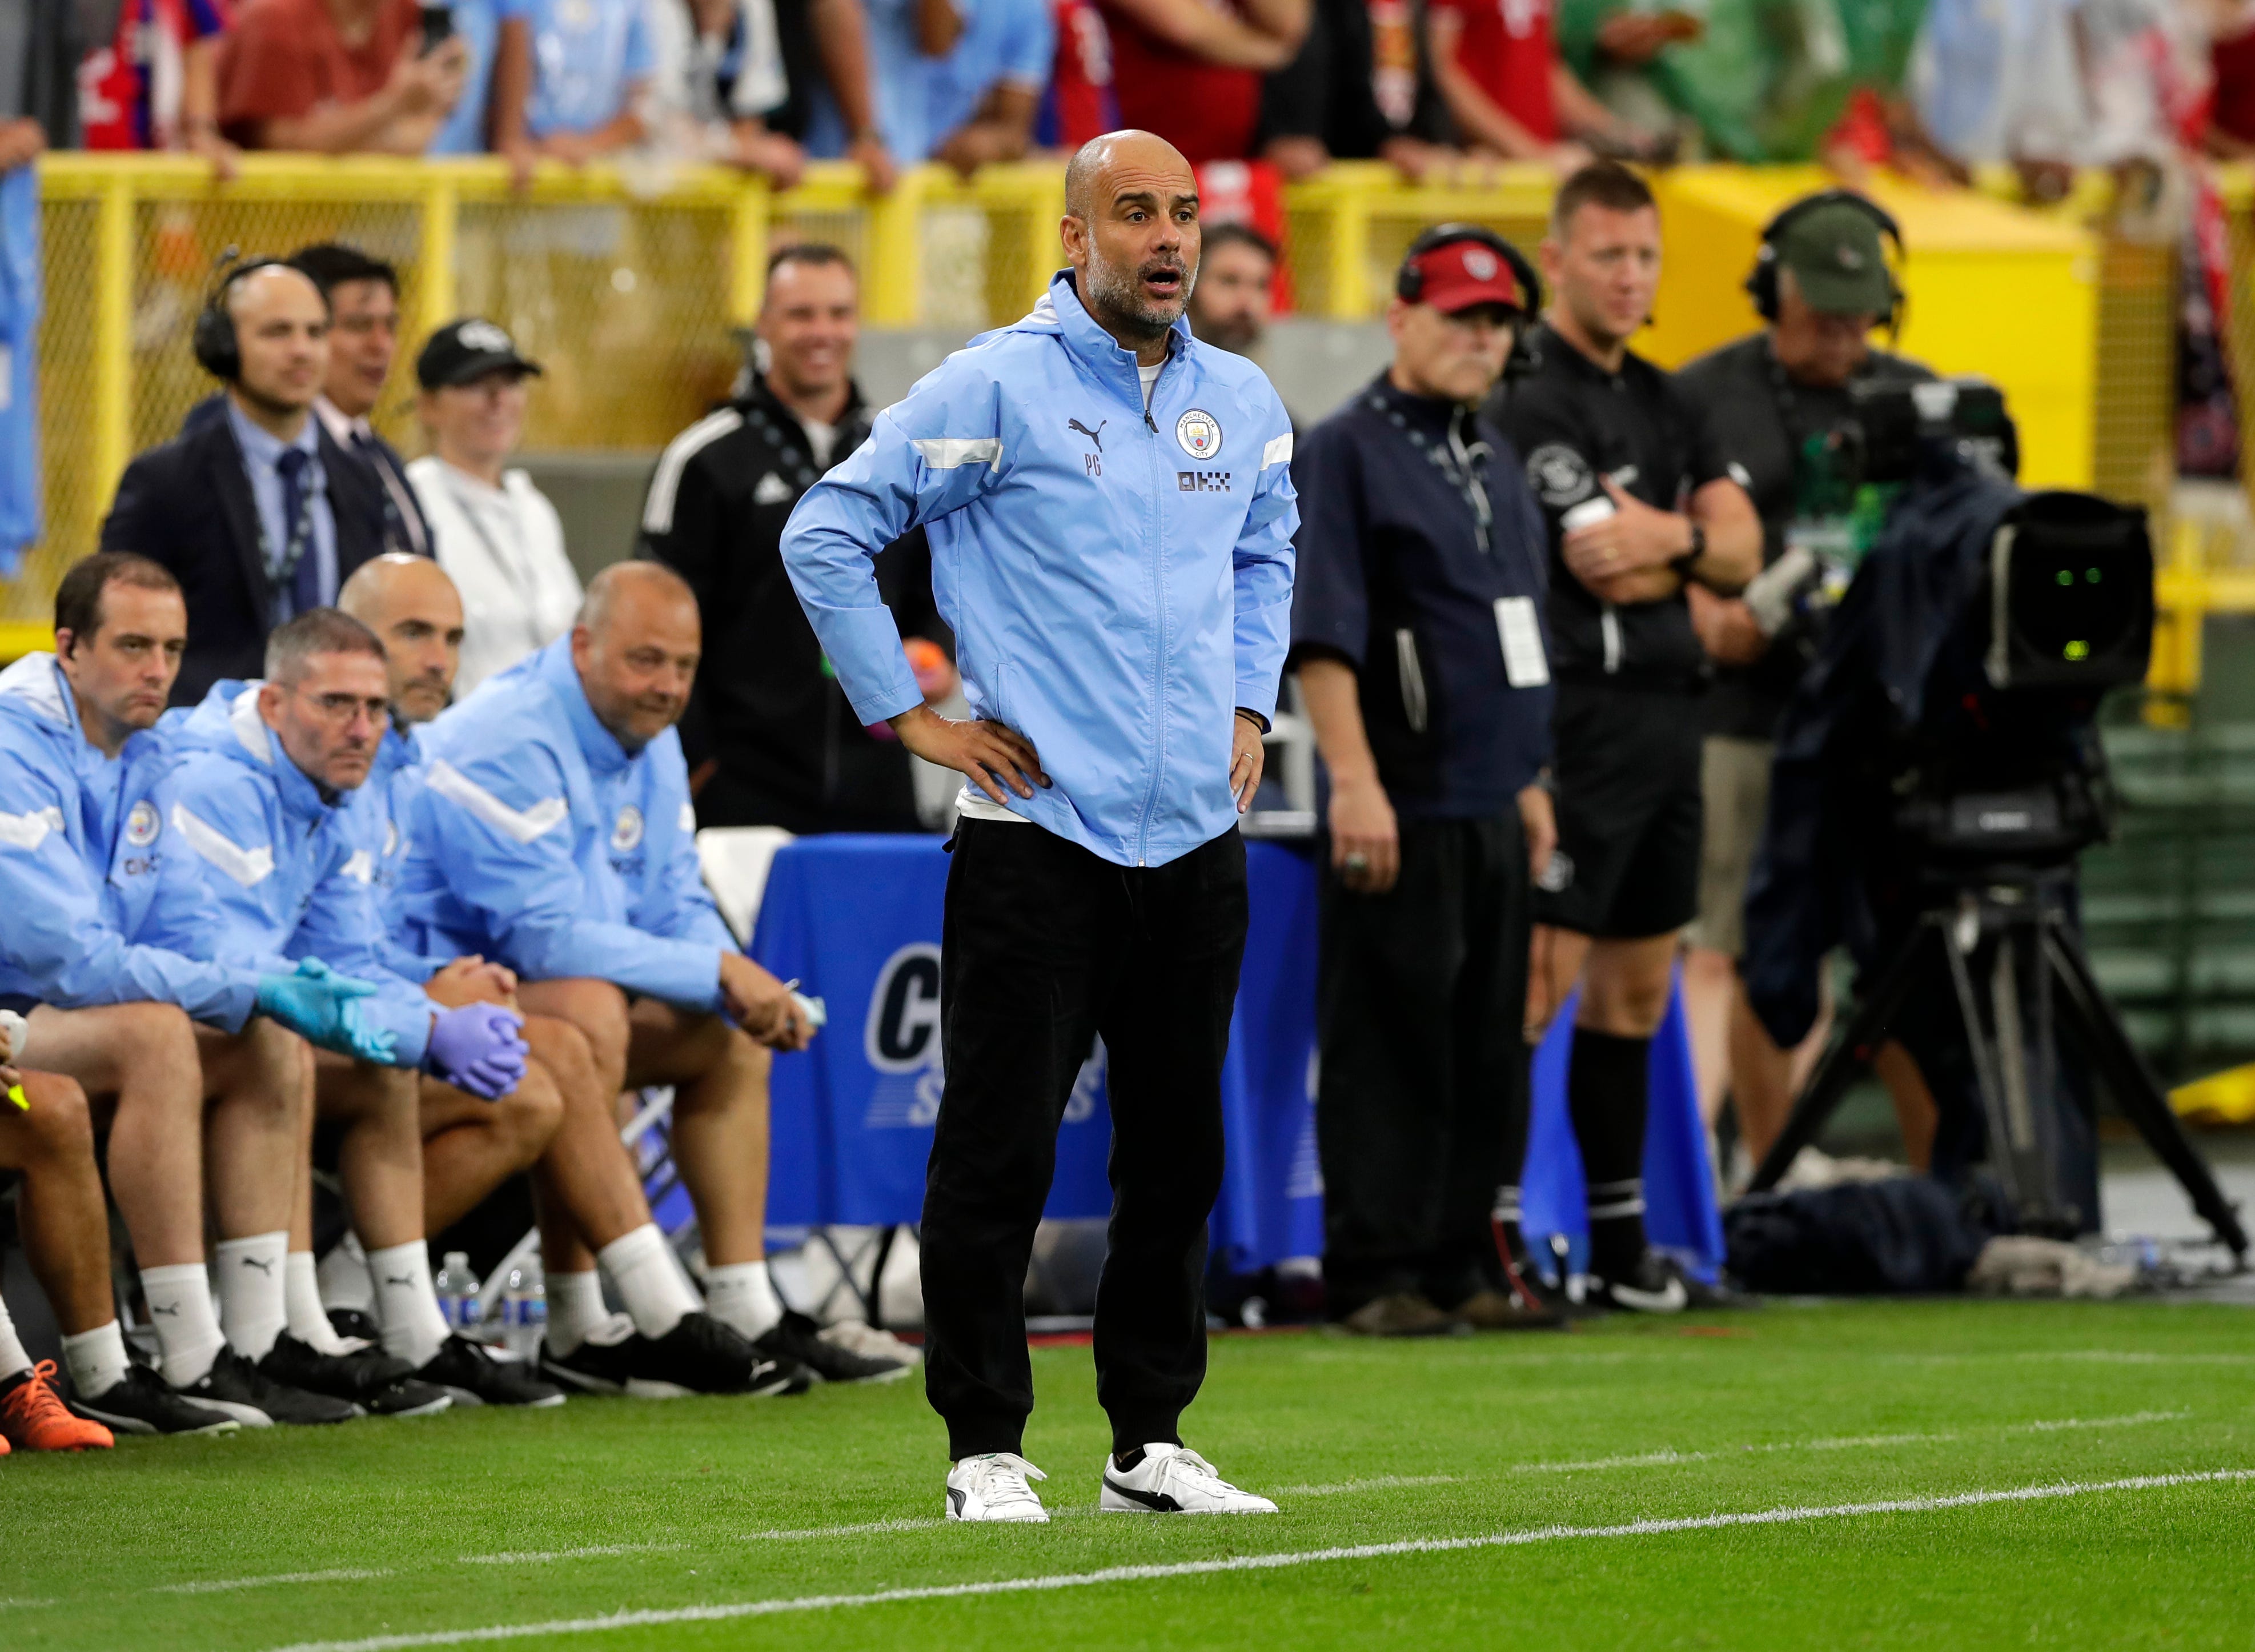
[1357, 861]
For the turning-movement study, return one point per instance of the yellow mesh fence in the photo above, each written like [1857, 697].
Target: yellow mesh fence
[632, 288]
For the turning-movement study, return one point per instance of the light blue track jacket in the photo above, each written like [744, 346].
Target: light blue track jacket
[392, 785]
[82, 839]
[290, 872]
[538, 841]
[1117, 586]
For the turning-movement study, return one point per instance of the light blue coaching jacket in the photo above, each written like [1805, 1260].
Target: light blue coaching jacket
[81, 839]
[538, 841]
[1117, 586]
[290, 873]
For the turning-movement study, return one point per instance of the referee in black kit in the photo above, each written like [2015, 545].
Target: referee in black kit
[1418, 632]
[1640, 504]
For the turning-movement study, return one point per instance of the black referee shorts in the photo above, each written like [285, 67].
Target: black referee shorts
[1629, 813]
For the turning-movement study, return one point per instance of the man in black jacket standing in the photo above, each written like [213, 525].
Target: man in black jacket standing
[1418, 633]
[256, 512]
[768, 734]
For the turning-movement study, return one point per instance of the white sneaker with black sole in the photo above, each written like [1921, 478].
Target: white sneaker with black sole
[993, 1486]
[1173, 1480]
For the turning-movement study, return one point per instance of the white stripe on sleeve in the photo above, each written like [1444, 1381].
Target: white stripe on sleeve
[521, 824]
[249, 867]
[1278, 452]
[945, 453]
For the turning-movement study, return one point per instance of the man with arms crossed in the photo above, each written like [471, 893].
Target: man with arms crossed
[1639, 505]
[1110, 508]
[585, 1187]
[553, 833]
[150, 1033]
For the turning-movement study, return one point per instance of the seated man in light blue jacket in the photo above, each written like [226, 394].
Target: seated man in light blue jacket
[587, 1190]
[553, 833]
[1110, 508]
[268, 797]
[196, 1066]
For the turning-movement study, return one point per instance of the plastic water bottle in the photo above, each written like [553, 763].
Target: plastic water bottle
[457, 1290]
[525, 1309]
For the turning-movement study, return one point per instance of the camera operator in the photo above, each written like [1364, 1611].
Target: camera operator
[1774, 400]
[1416, 631]
[1639, 505]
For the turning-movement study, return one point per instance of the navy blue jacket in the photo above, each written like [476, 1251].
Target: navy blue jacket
[1401, 578]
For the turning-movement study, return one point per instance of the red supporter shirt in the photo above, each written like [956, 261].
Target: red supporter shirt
[1206, 111]
[1508, 49]
[1081, 88]
[2234, 60]
[284, 59]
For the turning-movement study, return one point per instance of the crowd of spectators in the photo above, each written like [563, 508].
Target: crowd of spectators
[1938, 86]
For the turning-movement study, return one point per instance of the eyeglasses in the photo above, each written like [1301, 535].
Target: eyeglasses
[339, 708]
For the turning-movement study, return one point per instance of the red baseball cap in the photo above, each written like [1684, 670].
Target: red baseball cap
[1458, 274]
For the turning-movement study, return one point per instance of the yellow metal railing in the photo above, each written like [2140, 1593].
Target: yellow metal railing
[632, 284]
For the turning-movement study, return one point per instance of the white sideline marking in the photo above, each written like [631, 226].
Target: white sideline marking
[542, 1557]
[1375, 1483]
[8, 1604]
[1857, 1442]
[215, 1585]
[917, 1523]
[1264, 1563]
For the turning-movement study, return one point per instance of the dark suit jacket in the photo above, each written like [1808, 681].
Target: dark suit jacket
[401, 522]
[188, 505]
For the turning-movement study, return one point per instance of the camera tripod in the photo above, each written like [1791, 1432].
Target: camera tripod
[2018, 975]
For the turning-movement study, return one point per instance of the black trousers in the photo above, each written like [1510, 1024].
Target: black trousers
[1045, 947]
[1421, 1108]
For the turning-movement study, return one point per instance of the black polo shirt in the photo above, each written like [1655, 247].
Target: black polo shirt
[1761, 421]
[1399, 575]
[1576, 422]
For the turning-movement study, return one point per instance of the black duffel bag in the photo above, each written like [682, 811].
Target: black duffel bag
[1904, 1235]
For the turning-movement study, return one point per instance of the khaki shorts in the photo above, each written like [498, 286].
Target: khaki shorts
[1734, 779]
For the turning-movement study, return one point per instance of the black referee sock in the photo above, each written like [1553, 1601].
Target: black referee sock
[1606, 1098]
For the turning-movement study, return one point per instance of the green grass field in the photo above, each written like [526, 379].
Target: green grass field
[725, 1523]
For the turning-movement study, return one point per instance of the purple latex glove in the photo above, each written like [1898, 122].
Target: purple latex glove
[478, 1048]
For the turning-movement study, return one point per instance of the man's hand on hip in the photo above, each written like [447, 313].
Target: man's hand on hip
[1538, 818]
[762, 1005]
[1247, 757]
[992, 754]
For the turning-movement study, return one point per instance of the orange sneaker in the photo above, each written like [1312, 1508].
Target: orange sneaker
[33, 1416]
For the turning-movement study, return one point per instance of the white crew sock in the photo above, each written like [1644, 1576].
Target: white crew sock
[742, 1295]
[95, 1360]
[301, 1299]
[12, 1357]
[343, 1277]
[575, 1308]
[180, 1307]
[413, 1328]
[251, 1308]
[650, 1281]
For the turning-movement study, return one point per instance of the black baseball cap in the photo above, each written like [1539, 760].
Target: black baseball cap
[463, 352]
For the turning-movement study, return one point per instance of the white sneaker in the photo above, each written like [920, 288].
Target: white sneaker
[857, 1336]
[1173, 1480]
[993, 1486]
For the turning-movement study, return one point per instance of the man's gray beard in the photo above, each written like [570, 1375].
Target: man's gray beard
[1116, 292]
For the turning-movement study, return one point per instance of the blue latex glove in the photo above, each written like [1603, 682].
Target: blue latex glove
[478, 1048]
[317, 1004]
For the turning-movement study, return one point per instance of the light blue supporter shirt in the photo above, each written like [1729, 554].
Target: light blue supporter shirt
[478, 23]
[585, 54]
[260, 453]
[920, 101]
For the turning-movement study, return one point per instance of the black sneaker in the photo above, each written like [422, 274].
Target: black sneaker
[142, 1403]
[469, 1372]
[796, 1340]
[247, 1393]
[1655, 1284]
[699, 1356]
[356, 1324]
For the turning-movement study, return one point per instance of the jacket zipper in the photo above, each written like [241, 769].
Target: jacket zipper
[1413, 678]
[1159, 601]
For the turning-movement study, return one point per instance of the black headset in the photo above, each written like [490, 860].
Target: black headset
[1409, 283]
[1761, 285]
[217, 350]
